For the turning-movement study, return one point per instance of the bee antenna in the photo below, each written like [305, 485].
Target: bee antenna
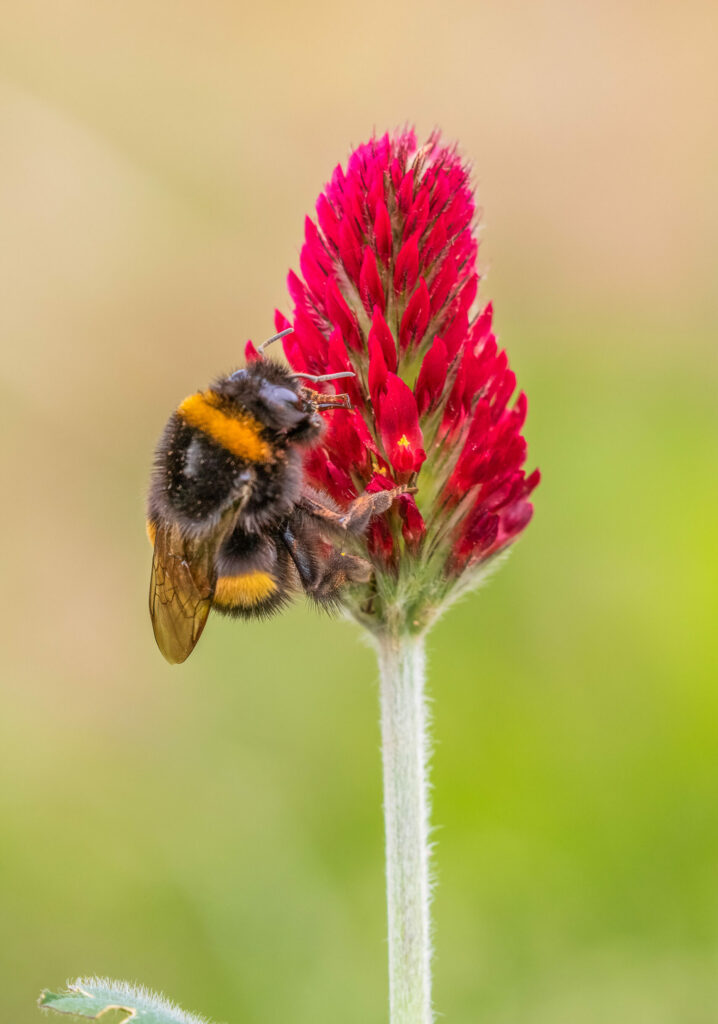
[275, 337]
[324, 376]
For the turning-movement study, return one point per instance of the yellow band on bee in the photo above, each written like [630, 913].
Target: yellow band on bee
[239, 434]
[151, 531]
[246, 590]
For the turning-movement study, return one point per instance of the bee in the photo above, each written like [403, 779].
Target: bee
[233, 523]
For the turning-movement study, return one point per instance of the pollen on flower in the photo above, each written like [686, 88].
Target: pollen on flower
[388, 290]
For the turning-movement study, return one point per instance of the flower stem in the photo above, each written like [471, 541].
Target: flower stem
[405, 750]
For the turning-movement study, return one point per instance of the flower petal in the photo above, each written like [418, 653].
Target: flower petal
[398, 421]
[432, 377]
[416, 317]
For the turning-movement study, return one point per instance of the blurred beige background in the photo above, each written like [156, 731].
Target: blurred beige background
[215, 831]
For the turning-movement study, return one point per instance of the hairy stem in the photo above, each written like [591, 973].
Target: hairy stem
[405, 750]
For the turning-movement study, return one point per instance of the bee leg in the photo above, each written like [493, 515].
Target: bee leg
[339, 570]
[357, 516]
[305, 563]
[355, 519]
[323, 577]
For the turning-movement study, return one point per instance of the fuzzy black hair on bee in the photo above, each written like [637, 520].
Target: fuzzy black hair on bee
[233, 524]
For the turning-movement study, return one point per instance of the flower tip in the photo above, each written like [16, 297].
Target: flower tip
[281, 323]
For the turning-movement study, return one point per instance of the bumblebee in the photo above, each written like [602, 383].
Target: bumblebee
[233, 523]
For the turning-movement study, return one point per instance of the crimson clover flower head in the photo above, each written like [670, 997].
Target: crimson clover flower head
[387, 288]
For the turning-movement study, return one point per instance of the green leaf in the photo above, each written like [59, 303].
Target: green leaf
[92, 997]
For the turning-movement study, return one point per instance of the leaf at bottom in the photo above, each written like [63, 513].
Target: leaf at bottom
[91, 997]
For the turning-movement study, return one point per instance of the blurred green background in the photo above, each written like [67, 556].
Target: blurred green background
[215, 830]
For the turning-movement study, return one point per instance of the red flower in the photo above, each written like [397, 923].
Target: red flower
[388, 286]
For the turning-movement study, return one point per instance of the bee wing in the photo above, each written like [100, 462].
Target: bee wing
[181, 588]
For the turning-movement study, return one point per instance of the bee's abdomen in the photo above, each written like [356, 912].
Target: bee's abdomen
[237, 432]
[244, 590]
[252, 576]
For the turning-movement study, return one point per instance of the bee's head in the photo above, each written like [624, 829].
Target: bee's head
[279, 400]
